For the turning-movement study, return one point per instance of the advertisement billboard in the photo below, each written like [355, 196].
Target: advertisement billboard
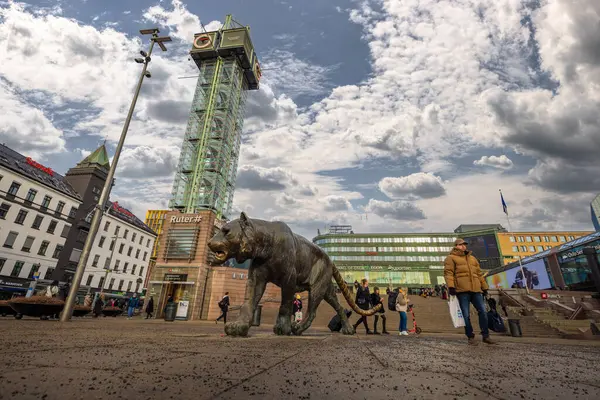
[485, 248]
[536, 277]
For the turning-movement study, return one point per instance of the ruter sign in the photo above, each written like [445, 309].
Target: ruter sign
[186, 220]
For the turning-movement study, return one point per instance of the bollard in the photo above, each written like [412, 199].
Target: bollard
[257, 315]
[515, 327]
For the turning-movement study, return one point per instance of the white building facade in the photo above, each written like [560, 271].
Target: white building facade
[37, 207]
[120, 257]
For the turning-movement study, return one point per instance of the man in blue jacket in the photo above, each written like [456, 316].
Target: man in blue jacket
[133, 304]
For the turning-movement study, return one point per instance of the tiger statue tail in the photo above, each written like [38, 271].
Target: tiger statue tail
[348, 296]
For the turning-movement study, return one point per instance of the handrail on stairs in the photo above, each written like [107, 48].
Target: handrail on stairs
[502, 292]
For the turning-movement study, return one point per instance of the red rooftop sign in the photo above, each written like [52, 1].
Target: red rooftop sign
[39, 166]
[120, 209]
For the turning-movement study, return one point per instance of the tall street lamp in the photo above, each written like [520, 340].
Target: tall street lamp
[87, 247]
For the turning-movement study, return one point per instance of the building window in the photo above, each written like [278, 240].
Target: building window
[133, 237]
[528, 239]
[125, 266]
[14, 189]
[548, 247]
[57, 251]
[95, 262]
[89, 280]
[120, 285]
[52, 226]
[2, 262]
[117, 265]
[60, 207]
[562, 239]
[65, 231]
[129, 286]
[43, 248]
[81, 235]
[112, 283]
[49, 273]
[106, 225]
[511, 238]
[145, 255]
[553, 239]
[121, 247]
[46, 202]
[129, 251]
[532, 248]
[137, 253]
[521, 239]
[4, 210]
[125, 234]
[101, 241]
[117, 229]
[101, 283]
[141, 271]
[28, 243]
[536, 239]
[37, 222]
[540, 248]
[10, 239]
[107, 263]
[35, 268]
[515, 249]
[21, 217]
[112, 244]
[73, 212]
[148, 243]
[546, 239]
[30, 196]
[523, 248]
[137, 287]
[17, 269]
[141, 240]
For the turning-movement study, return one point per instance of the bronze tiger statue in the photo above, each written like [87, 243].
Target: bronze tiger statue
[287, 260]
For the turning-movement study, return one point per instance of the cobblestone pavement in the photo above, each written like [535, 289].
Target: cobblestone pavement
[113, 358]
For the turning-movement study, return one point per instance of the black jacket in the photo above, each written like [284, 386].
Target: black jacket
[224, 303]
[376, 299]
[363, 297]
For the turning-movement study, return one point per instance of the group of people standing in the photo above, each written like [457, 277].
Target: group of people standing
[398, 302]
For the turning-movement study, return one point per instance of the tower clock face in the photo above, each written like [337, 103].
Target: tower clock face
[202, 41]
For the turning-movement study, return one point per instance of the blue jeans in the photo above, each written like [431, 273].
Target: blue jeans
[403, 320]
[464, 300]
[130, 312]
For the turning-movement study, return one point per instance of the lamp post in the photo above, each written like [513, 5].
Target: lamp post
[98, 211]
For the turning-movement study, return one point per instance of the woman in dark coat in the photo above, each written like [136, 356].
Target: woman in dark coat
[363, 301]
[98, 305]
[376, 299]
[150, 308]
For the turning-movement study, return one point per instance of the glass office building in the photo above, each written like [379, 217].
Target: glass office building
[411, 260]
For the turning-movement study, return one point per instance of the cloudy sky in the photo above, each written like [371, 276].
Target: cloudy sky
[387, 115]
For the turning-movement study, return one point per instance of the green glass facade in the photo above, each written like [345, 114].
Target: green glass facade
[408, 260]
[228, 68]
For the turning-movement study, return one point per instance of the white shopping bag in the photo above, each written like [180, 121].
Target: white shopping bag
[298, 316]
[455, 312]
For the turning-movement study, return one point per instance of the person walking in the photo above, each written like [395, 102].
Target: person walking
[150, 308]
[465, 281]
[376, 299]
[297, 309]
[133, 304]
[402, 308]
[363, 300]
[224, 306]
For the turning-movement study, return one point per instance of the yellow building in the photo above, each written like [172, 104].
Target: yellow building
[155, 220]
[515, 244]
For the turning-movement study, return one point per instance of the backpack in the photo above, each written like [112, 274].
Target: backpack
[392, 301]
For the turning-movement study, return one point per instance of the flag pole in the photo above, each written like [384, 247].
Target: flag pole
[512, 234]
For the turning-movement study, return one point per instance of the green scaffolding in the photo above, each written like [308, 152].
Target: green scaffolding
[206, 173]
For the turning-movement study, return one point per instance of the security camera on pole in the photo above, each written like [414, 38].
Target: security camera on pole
[85, 254]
